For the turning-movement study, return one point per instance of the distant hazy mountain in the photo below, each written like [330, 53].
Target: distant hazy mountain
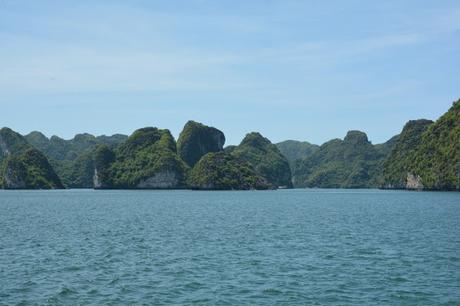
[73, 159]
[294, 150]
[349, 163]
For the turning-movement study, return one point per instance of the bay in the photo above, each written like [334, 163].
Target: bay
[291, 247]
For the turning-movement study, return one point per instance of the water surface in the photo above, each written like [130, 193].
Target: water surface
[334, 247]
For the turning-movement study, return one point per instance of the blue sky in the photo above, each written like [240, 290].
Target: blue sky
[305, 70]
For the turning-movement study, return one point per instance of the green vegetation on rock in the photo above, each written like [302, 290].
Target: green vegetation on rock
[11, 143]
[387, 147]
[398, 164]
[437, 159]
[73, 159]
[22, 166]
[147, 159]
[350, 163]
[222, 171]
[196, 140]
[61, 149]
[294, 150]
[427, 155]
[265, 158]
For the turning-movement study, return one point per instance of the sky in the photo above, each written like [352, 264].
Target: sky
[303, 70]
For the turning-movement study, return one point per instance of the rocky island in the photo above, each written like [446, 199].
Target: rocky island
[424, 156]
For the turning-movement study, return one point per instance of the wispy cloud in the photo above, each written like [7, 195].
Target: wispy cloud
[76, 69]
[109, 55]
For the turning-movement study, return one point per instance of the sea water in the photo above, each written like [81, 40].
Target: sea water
[291, 247]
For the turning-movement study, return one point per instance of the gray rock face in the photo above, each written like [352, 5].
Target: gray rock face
[414, 182]
[96, 180]
[196, 140]
[4, 151]
[161, 180]
[219, 138]
[12, 180]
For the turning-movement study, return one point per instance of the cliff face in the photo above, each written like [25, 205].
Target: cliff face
[11, 143]
[161, 180]
[4, 147]
[104, 157]
[196, 140]
[22, 166]
[414, 182]
[97, 182]
[146, 160]
[14, 175]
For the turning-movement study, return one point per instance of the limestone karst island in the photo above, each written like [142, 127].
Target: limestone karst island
[424, 156]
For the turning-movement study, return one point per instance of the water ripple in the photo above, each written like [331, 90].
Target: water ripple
[290, 247]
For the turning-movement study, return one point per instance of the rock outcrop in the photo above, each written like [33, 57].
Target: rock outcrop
[14, 174]
[414, 182]
[161, 180]
[22, 166]
[397, 167]
[146, 160]
[429, 152]
[265, 158]
[349, 163]
[222, 171]
[73, 158]
[196, 140]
